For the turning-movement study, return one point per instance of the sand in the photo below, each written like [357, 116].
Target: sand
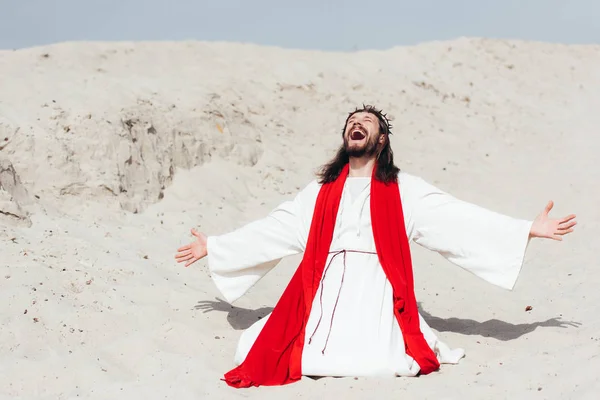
[111, 152]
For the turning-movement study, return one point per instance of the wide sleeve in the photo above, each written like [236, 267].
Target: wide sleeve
[486, 243]
[239, 259]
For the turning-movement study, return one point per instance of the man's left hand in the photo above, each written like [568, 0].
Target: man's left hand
[545, 227]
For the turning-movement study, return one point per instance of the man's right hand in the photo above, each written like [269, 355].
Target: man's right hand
[193, 251]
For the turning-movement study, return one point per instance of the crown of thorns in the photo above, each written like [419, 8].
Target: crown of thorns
[378, 113]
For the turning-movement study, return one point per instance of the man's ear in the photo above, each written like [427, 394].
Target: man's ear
[381, 139]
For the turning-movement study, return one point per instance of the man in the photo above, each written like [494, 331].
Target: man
[350, 308]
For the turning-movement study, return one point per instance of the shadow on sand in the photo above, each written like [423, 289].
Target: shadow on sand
[242, 318]
[493, 328]
[238, 318]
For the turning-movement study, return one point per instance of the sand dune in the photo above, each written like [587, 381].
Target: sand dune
[111, 152]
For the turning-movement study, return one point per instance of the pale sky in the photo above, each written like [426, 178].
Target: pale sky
[306, 24]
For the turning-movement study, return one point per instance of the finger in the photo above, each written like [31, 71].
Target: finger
[190, 262]
[567, 225]
[549, 207]
[185, 259]
[564, 232]
[189, 246]
[195, 233]
[183, 256]
[556, 237]
[569, 221]
[183, 253]
[567, 218]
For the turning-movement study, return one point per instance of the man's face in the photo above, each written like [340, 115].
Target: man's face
[361, 135]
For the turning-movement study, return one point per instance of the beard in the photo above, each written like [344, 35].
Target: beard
[368, 148]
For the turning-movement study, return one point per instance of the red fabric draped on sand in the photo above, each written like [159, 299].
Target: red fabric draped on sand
[276, 356]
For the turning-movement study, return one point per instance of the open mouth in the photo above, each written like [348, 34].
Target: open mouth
[357, 135]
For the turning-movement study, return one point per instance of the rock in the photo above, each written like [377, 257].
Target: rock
[10, 182]
[12, 197]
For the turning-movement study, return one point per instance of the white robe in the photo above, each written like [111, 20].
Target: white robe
[364, 336]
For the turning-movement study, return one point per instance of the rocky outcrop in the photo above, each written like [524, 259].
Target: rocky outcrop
[13, 197]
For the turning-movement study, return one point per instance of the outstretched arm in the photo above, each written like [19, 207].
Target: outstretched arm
[239, 259]
[488, 244]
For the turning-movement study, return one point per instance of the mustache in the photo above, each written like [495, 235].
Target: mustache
[357, 127]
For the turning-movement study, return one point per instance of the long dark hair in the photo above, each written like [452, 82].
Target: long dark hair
[386, 171]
